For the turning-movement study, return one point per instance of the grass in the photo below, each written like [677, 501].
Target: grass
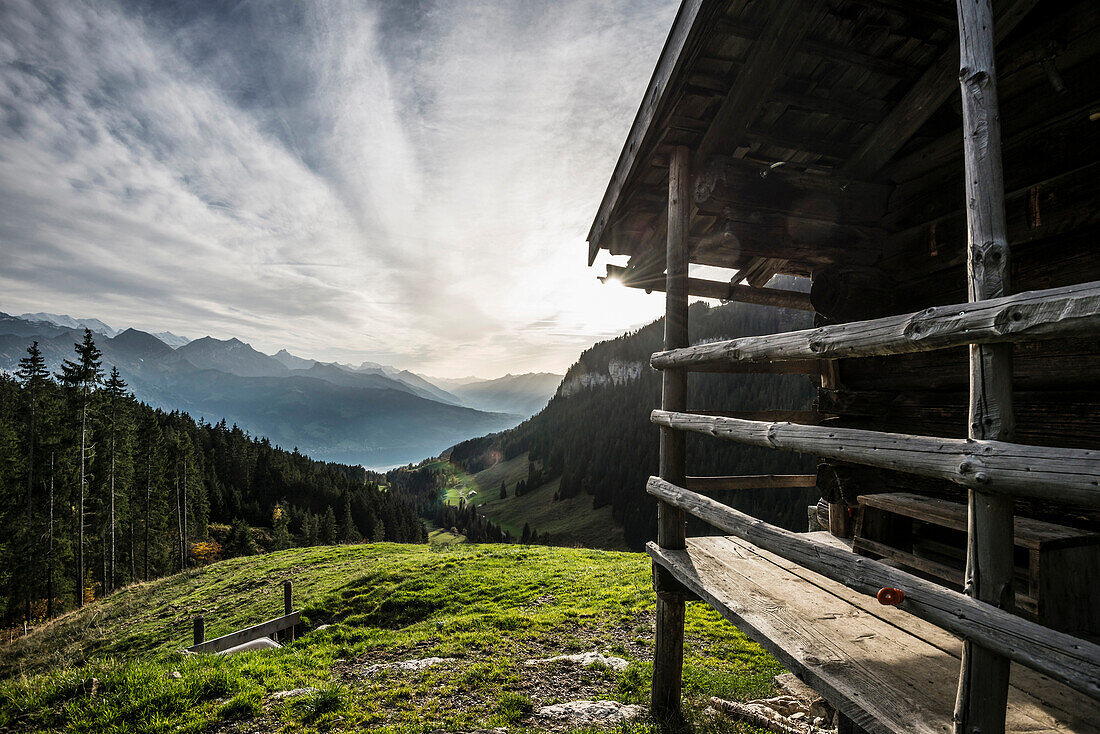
[570, 522]
[485, 609]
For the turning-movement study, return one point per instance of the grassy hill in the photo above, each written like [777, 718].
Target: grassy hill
[570, 521]
[115, 666]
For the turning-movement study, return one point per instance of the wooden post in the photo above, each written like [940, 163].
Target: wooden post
[288, 606]
[200, 630]
[983, 676]
[668, 657]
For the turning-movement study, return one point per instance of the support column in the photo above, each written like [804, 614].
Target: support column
[668, 659]
[983, 677]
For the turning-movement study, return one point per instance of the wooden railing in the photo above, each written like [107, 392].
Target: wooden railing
[1068, 659]
[288, 621]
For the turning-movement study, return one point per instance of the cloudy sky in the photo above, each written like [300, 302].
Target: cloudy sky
[402, 181]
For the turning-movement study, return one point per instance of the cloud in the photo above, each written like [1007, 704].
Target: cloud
[404, 182]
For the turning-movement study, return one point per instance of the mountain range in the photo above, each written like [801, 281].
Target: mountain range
[370, 414]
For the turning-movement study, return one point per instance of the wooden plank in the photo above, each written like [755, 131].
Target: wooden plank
[927, 95]
[775, 297]
[691, 18]
[1060, 475]
[787, 24]
[254, 632]
[750, 481]
[811, 367]
[1046, 314]
[1063, 657]
[1028, 533]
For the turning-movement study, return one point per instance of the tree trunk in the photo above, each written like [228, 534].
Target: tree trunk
[148, 493]
[80, 507]
[183, 546]
[179, 519]
[30, 485]
[49, 552]
[111, 582]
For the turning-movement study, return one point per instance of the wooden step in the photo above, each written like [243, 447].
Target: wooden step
[884, 668]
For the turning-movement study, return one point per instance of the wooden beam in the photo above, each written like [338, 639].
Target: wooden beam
[1065, 658]
[927, 95]
[692, 17]
[805, 417]
[1030, 316]
[1054, 474]
[755, 481]
[255, 632]
[776, 297]
[787, 24]
[983, 678]
[668, 657]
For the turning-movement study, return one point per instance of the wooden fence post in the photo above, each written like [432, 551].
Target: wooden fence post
[983, 676]
[668, 660]
[288, 606]
[200, 630]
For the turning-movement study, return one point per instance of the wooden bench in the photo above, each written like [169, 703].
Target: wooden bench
[928, 535]
[884, 668]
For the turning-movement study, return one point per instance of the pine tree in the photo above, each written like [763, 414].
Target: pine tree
[327, 532]
[239, 541]
[280, 539]
[117, 414]
[525, 539]
[503, 491]
[34, 376]
[81, 377]
[348, 532]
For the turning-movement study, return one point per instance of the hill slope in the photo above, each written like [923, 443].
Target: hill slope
[484, 609]
[595, 441]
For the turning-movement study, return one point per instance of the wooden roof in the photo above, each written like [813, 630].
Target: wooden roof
[795, 112]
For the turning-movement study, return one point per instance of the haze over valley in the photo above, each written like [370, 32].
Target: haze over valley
[369, 414]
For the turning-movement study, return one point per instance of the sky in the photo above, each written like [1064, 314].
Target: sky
[401, 181]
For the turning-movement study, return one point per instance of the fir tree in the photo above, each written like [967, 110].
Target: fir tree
[33, 376]
[117, 415]
[81, 376]
[327, 531]
[280, 538]
[503, 491]
[348, 532]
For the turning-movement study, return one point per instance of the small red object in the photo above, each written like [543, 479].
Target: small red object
[890, 597]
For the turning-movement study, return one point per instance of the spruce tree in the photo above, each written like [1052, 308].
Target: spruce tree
[503, 491]
[34, 376]
[348, 532]
[327, 531]
[82, 376]
[117, 415]
[280, 538]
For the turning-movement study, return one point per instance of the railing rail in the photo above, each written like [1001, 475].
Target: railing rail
[1045, 314]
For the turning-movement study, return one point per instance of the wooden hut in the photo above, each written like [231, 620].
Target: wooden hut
[932, 168]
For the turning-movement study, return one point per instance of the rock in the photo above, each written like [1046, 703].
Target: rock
[591, 712]
[175, 674]
[279, 695]
[263, 643]
[586, 659]
[322, 627]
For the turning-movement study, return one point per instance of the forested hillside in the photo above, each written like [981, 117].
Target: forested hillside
[595, 435]
[98, 490]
